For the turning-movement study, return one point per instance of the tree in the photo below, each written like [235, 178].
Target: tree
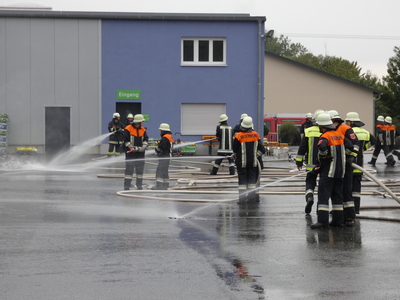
[392, 101]
[333, 65]
[284, 47]
[288, 133]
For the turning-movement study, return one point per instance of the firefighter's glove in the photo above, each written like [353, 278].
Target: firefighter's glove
[299, 164]
[121, 130]
[157, 150]
[316, 169]
[141, 149]
[131, 147]
[113, 129]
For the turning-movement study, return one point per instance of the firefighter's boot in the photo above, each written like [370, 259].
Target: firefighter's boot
[214, 171]
[127, 184]
[139, 183]
[310, 202]
[372, 162]
[231, 170]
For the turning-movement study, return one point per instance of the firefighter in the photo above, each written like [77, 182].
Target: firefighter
[381, 143]
[391, 135]
[331, 154]
[136, 142]
[164, 151]
[129, 119]
[224, 135]
[247, 147]
[308, 123]
[236, 129]
[366, 140]
[309, 148]
[116, 139]
[352, 150]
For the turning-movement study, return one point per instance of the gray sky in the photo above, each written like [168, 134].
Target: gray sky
[364, 31]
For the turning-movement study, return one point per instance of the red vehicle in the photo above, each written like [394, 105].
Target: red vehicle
[273, 121]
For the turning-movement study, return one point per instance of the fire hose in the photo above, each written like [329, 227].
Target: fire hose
[393, 195]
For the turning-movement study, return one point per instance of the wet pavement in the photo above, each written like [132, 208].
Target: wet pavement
[68, 235]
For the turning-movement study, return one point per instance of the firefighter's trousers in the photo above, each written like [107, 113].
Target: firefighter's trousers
[132, 165]
[330, 188]
[162, 177]
[357, 177]
[247, 178]
[348, 203]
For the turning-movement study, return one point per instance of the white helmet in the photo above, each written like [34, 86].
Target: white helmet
[352, 116]
[309, 115]
[318, 112]
[116, 115]
[324, 120]
[164, 127]
[334, 114]
[138, 118]
[380, 119]
[243, 116]
[388, 120]
[130, 116]
[247, 122]
[223, 118]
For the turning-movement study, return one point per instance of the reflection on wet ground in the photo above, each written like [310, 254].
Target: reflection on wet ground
[67, 235]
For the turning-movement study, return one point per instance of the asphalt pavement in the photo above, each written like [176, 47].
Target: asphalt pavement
[66, 234]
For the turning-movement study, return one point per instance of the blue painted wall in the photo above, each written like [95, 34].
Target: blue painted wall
[146, 55]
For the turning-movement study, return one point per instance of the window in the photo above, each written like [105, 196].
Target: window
[200, 118]
[203, 52]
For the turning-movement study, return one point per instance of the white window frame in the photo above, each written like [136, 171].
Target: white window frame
[200, 118]
[210, 61]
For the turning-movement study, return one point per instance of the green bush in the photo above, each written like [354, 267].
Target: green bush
[288, 133]
[266, 130]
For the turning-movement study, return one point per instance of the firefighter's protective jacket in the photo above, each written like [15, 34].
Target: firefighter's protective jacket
[332, 154]
[164, 148]
[116, 127]
[137, 137]
[224, 134]
[247, 146]
[366, 140]
[309, 147]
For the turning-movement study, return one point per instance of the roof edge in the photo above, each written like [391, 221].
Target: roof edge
[129, 15]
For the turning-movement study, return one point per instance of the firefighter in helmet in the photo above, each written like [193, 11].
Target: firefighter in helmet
[224, 135]
[331, 154]
[247, 147]
[116, 138]
[366, 140]
[164, 151]
[136, 142]
[352, 150]
[391, 135]
[381, 143]
[308, 123]
[309, 149]
[236, 129]
[129, 119]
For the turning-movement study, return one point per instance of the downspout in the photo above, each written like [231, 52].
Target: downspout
[260, 78]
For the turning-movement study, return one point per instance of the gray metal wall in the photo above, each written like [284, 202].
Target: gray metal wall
[50, 62]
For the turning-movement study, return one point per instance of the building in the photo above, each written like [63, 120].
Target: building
[63, 74]
[293, 88]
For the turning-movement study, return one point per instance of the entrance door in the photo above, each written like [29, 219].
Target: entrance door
[57, 129]
[126, 108]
